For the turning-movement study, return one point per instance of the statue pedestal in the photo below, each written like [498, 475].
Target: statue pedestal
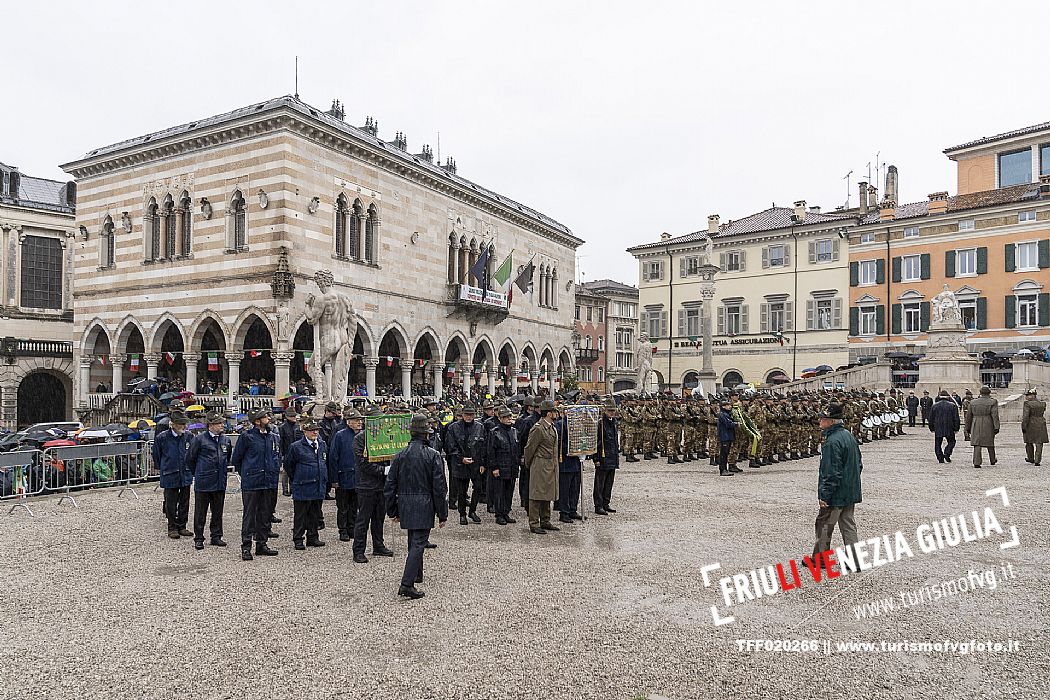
[947, 365]
[707, 382]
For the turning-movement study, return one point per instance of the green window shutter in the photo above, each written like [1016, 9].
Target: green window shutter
[895, 326]
[1044, 254]
[1044, 309]
[949, 263]
[880, 319]
[854, 274]
[880, 271]
[1011, 261]
[982, 261]
[982, 313]
[924, 266]
[896, 269]
[854, 321]
[924, 316]
[1011, 310]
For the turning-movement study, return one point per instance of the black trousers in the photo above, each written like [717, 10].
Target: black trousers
[603, 486]
[723, 455]
[371, 508]
[417, 539]
[568, 502]
[459, 494]
[271, 504]
[255, 521]
[911, 420]
[523, 488]
[947, 451]
[306, 515]
[177, 507]
[202, 503]
[501, 495]
[345, 510]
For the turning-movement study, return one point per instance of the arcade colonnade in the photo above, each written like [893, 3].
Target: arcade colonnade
[228, 352]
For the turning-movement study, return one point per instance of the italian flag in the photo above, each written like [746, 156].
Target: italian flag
[422, 363]
[213, 362]
[502, 276]
[254, 353]
[134, 363]
[389, 361]
[170, 357]
[306, 359]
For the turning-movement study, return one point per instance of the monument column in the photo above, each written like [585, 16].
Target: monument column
[233, 361]
[152, 363]
[534, 380]
[492, 381]
[191, 359]
[118, 372]
[707, 310]
[468, 379]
[406, 378]
[437, 380]
[370, 375]
[282, 369]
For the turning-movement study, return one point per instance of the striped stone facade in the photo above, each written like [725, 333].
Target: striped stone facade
[285, 165]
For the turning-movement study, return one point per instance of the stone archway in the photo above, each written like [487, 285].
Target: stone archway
[44, 396]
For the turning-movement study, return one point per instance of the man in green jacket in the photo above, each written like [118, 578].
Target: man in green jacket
[838, 486]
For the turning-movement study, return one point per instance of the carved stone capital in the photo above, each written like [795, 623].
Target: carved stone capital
[234, 356]
[371, 362]
[282, 357]
[151, 359]
[118, 359]
[191, 357]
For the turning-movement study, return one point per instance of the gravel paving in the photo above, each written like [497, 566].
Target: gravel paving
[100, 604]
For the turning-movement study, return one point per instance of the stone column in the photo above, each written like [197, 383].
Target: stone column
[233, 361]
[534, 380]
[282, 369]
[468, 378]
[117, 365]
[550, 383]
[438, 379]
[14, 240]
[3, 263]
[406, 378]
[370, 375]
[707, 311]
[492, 381]
[152, 363]
[191, 359]
[85, 379]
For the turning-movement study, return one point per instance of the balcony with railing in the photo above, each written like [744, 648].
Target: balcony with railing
[474, 303]
[586, 356]
[21, 347]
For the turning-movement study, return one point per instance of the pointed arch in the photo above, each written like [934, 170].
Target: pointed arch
[400, 337]
[367, 337]
[566, 366]
[528, 352]
[200, 325]
[159, 328]
[342, 213]
[185, 224]
[128, 323]
[244, 322]
[238, 224]
[429, 336]
[372, 222]
[457, 347]
[170, 230]
[488, 352]
[94, 330]
[464, 259]
[151, 230]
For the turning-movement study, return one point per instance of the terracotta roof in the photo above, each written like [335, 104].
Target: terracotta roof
[770, 219]
[1045, 126]
[965, 202]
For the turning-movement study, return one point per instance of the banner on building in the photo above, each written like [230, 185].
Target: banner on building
[478, 295]
[385, 436]
[581, 423]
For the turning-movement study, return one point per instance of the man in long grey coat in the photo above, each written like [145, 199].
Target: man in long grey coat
[541, 459]
[982, 424]
[1033, 427]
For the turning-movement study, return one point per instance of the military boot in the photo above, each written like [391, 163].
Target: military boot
[631, 458]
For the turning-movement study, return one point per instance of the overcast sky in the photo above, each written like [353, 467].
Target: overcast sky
[620, 119]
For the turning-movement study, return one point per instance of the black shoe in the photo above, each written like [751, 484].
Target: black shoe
[977, 466]
[565, 519]
[501, 521]
[410, 592]
[491, 509]
[246, 555]
[600, 511]
[329, 497]
[734, 469]
[315, 543]
[173, 534]
[462, 520]
[198, 545]
[287, 493]
[947, 459]
[430, 545]
[300, 546]
[609, 509]
[1028, 460]
[576, 516]
[475, 517]
[320, 525]
[264, 550]
[631, 458]
[343, 537]
[183, 532]
[725, 472]
[419, 578]
[510, 519]
[218, 543]
[993, 464]
[940, 461]
[275, 519]
[360, 559]
[550, 526]
[384, 552]
[537, 531]
[753, 464]
[272, 536]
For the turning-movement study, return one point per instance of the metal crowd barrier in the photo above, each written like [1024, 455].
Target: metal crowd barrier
[95, 466]
[21, 476]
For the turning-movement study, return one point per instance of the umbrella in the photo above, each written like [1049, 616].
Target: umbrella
[59, 443]
[168, 396]
[897, 356]
[988, 354]
[196, 426]
[196, 407]
[113, 426]
[824, 368]
[120, 431]
[142, 424]
[1006, 353]
[93, 433]
[1025, 353]
[185, 395]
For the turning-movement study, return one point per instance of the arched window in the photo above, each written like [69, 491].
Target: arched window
[239, 223]
[471, 259]
[151, 241]
[489, 265]
[601, 373]
[464, 254]
[587, 343]
[107, 245]
[452, 257]
[372, 234]
[601, 343]
[185, 224]
[356, 225]
[341, 212]
[169, 227]
[554, 289]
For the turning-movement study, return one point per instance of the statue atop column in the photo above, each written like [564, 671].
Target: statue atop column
[709, 250]
[945, 308]
[335, 325]
[644, 357]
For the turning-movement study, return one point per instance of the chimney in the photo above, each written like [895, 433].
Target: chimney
[14, 179]
[665, 236]
[887, 210]
[800, 212]
[864, 206]
[938, 203]
[337, 110]
[71, 193]
[427, 154]
[891, 183]
[450, 165]
[814, 210]
[873, 197]
[371, 126]
[400, 141]
[712, 223]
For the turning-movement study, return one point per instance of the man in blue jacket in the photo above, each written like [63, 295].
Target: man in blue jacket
[726, 438]
[208, 458]
[415, 492]
[607, 459]
[342, 472]
[306, 464]
[257, 458]
[169, 454]
[371, 478]
[838, 485]
[569, 475]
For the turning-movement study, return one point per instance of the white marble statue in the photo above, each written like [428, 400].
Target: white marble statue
[335, 325]
[644, 357]
[945, 308]
[709, 250]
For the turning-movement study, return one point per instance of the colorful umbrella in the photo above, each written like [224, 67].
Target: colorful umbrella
[142, 424]
[195, 407]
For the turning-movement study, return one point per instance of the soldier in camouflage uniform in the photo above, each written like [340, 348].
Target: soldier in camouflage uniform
[712, 431]
[650, 418]
[965, 412]
[698, 416]
[672, 430]
[630, 425]
[757, 414]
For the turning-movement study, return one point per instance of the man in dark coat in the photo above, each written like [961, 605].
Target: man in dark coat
[727, 428]
[306, 464]
[415, 492]
[289, 433]
[925, 404]
[331, 424]
[503, 457]
[982, 424]
[170, 448]
[342, 471]
[570, 475]
[257, 458]
[838, 483]
[606, 460]
[944, 424]
[522, 426]
[466, 457]
[912, 403]
[1033, 427]
[371, 478]
[208, 458]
